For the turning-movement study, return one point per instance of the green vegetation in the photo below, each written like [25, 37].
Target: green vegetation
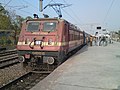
[10, 27]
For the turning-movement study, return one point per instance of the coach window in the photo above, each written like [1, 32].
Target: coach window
[49, 26]
[33, 26]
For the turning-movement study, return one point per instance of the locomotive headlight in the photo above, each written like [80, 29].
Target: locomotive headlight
[50, 42]
[38, 42]
[50, 60]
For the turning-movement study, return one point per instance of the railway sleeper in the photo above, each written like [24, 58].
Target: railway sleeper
[26, 81]
[8, 58]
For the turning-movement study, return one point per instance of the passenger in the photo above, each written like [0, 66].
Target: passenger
[95, 41]
[91, 39]
[103, 40]
[87, 40]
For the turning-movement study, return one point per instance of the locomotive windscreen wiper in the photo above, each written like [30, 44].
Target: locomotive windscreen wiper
[51, 30]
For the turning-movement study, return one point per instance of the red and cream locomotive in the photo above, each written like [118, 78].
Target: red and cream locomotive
[48, 40]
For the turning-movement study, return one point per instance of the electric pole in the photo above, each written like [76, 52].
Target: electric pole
[41, 5]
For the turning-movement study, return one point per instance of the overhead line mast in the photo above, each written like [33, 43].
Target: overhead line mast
[41, 5]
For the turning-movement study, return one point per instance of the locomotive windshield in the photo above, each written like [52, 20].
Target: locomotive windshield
[33, 26]
[49, 26]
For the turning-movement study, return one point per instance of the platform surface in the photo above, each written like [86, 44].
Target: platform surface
[91, 68]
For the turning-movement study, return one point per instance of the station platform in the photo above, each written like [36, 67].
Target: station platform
[91, 68]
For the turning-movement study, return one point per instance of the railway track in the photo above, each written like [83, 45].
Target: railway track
[8, 58]
[30, 79]
[7, 52]
[26, 81]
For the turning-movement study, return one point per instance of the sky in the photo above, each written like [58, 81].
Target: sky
[86, 14]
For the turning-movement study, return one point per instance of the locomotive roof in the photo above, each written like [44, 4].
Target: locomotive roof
[52, 19]
[42, 19]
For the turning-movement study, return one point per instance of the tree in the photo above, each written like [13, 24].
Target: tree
[8, 21]
[5, 22]
[11, 21]
[19, 21]
[2, 10]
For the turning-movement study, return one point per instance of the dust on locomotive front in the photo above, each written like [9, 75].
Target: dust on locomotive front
[40, 40]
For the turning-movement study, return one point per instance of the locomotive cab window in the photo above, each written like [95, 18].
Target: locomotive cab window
[49, 26]
[33, 26]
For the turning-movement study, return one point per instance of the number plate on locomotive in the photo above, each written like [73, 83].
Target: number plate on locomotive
[38, 42]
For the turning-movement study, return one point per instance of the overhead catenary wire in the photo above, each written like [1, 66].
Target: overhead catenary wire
[55, 6]
[74, 14]
[72, 11]
[77, 19]
[35, 8]
[7, 3]
[29, 4]
[46, 5]
[18, 7]
[21, 10]
[109, 9]
[70, 16]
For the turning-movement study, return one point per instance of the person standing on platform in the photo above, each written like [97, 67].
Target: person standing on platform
[91, 39]
[96, 39]
[87, 41]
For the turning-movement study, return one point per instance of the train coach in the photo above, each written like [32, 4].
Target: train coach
[48, 40]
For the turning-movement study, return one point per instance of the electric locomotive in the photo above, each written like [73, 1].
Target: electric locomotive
[48, 40]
